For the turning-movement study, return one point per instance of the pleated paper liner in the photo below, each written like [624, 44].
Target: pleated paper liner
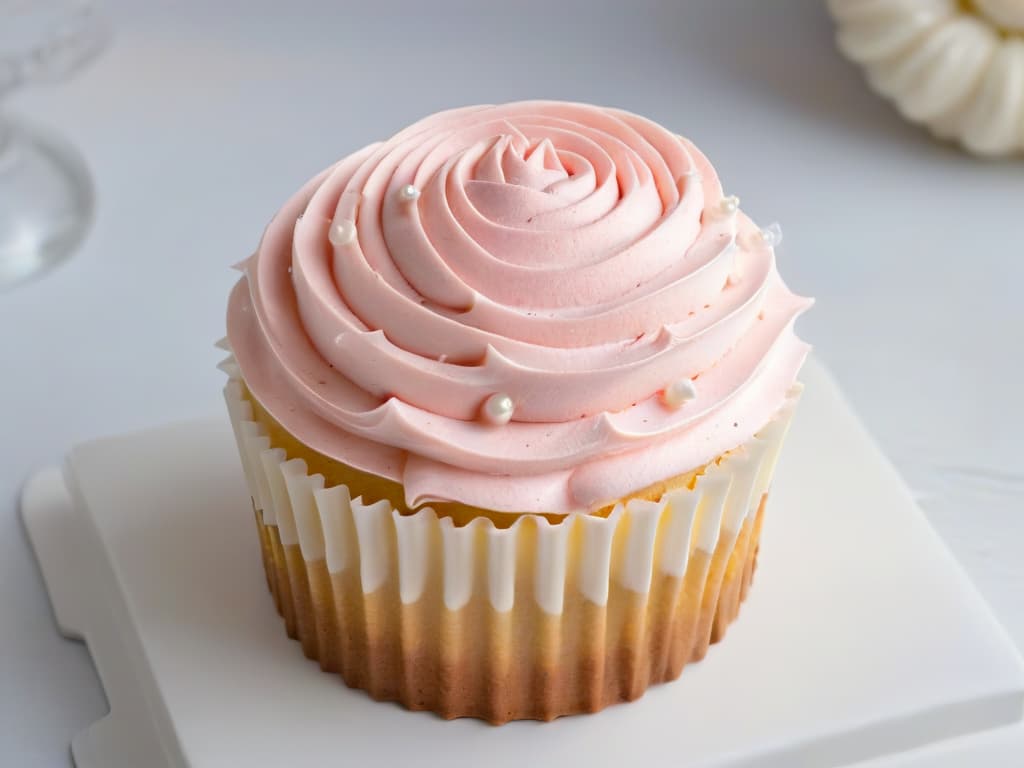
[532, 621]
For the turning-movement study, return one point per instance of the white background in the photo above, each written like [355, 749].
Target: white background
[202, 118]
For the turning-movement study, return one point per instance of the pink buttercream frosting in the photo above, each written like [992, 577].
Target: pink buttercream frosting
[576, 258]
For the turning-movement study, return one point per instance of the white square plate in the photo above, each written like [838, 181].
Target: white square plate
[861, 636]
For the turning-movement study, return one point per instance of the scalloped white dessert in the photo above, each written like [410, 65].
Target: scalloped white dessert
[956, 67]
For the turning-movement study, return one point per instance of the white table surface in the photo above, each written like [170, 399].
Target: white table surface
[202, 118]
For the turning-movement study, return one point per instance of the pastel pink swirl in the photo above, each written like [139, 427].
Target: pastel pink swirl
[576, 258]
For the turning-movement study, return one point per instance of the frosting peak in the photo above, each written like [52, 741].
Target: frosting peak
[572, 259]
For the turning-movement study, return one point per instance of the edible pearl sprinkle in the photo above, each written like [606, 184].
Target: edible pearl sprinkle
[678, 392]
[342, 232]
[772, 234]
[408, 193]
[730, 204]
[498, 409]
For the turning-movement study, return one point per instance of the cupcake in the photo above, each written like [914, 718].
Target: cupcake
[509, 389]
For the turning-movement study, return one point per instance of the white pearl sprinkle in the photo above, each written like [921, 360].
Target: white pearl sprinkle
[408, 193]
[730, 204]
[678, 392]
[342, 232]
[498, 409]
[772, 234]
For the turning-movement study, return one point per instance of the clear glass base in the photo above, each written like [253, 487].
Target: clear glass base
[46, 201]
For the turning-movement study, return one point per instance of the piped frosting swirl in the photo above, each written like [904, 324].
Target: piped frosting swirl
[577, 259]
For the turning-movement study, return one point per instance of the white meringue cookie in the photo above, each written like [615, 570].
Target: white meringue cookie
[956, 67]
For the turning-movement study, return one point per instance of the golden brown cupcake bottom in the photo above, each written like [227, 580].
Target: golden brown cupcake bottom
[518, 664]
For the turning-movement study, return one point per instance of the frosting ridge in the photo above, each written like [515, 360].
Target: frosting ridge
[575, 258]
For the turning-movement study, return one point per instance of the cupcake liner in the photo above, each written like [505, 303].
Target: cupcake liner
[535, 620]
